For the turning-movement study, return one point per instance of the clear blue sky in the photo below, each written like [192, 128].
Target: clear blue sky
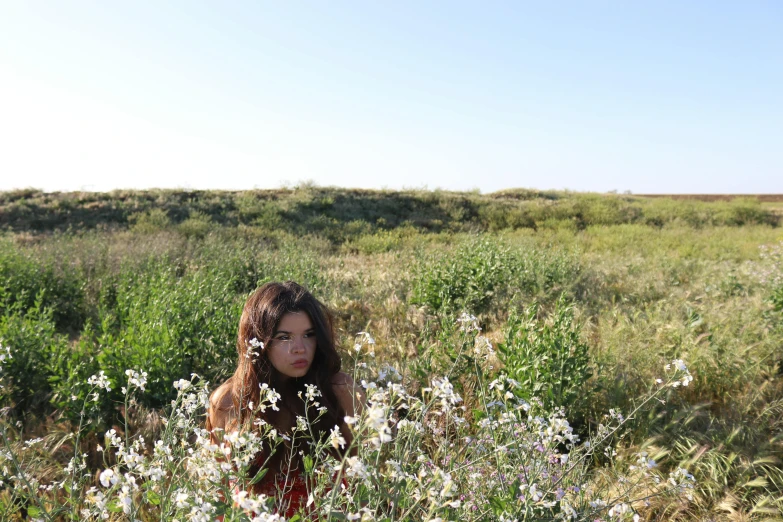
[649, 97]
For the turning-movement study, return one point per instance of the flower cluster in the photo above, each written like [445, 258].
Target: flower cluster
[684, 377]
[137, 379]
[100, 381]
[771, 270]
[415, 453]
[468, 323]
[364, 338]
[254, 349]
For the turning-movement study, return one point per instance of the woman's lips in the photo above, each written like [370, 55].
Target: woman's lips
[301, 363]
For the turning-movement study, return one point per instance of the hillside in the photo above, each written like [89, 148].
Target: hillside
[341, 214]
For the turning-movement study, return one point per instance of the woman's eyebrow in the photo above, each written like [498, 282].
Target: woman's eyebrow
[309, 330]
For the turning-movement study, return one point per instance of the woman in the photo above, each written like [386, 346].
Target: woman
[286, 341]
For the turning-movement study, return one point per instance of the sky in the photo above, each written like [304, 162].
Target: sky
[647, 97]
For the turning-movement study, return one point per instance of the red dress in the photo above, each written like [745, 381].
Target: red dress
[292, 487]
[289, 490]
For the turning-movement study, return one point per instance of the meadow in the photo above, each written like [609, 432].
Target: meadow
[527, 355]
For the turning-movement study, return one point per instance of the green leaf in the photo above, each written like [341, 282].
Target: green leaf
[33, 511]
[153, 498]
[260, 475]
[498, 505]
[308, 464]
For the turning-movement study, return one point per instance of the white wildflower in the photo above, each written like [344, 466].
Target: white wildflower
[468, 323]
[336, 438]
[100, 380]
[108, 478]
[138, 379]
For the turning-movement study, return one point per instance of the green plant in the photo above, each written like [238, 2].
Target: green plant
[198, 224]
[547, 357]
[465, 279]
[153, 220]
[26, 280]
[30, 339]
[171, 324]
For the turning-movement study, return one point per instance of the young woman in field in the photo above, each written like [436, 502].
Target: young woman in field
[286, 342]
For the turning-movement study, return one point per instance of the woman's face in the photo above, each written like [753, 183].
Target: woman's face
[292, 348]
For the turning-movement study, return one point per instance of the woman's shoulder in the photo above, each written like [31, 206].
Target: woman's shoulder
[221, 406]
[342, 379]
[222, 398]
[348, 393]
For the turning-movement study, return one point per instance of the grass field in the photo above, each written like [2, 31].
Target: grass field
[581, 299]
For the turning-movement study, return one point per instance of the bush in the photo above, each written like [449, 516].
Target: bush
[197, 225]
[169, 324]
[149, 222]
[547, 358]
[30, 338]
[481, 272]
[381, 241]
[68, 371]
[466, 279]
[26, 280]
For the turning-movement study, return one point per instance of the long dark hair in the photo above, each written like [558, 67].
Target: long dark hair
[260, 318]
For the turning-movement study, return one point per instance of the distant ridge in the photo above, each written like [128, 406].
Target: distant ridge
[764, 198]
[340, 215]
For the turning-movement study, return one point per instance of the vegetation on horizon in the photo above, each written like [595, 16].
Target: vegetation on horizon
[344, 214]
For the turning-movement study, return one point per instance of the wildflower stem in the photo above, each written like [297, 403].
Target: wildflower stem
[20, 473]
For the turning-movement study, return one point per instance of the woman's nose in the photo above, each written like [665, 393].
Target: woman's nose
[297, 345]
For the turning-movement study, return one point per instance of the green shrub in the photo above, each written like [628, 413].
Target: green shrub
[541, 272]
[381, 241]
[481, 272]
[502, 217]
[151, 221]
[197, 225]
[32, 340]
[267, 216]
[743, 211]
[466, 279]
[777, 298]
[547, 357]
[24, 279]
[169, 325]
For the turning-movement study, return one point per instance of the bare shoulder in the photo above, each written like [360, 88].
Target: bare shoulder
[343, 379]
[221, 406]
[349, 395]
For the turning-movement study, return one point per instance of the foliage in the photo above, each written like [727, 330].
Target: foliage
[153, 220]
[330, 210]
[172, 324]
[197, 225]
[649, 279]
[29, 340]
[466, 279]
[513, 461]
[27, 282]
[480, 273]
[547, 357]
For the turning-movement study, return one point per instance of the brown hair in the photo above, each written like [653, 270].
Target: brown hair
[260, 318]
